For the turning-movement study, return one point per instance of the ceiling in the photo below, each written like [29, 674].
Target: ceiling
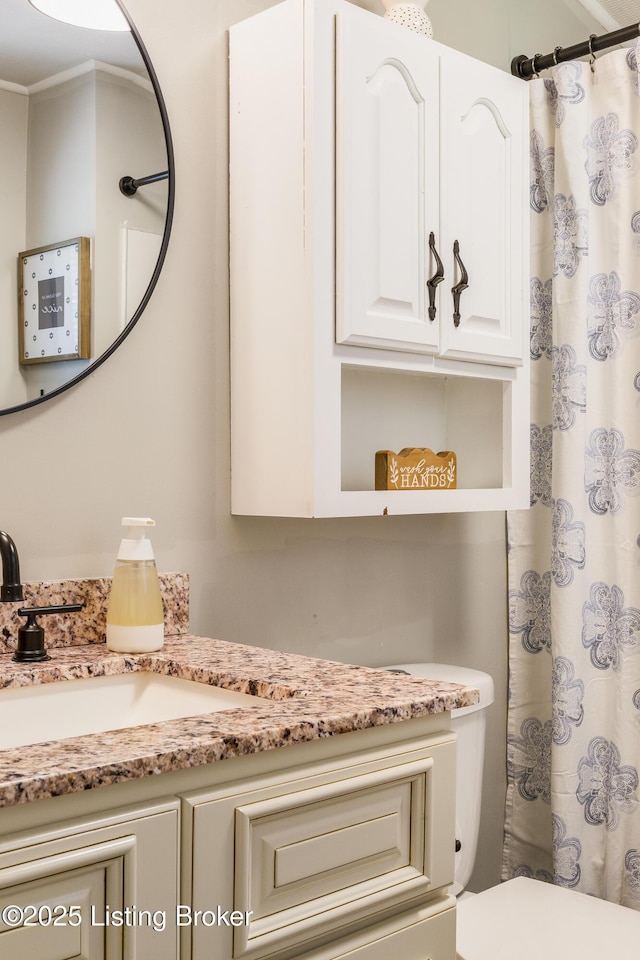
[623, 12]
[34, 46]
[613, 14]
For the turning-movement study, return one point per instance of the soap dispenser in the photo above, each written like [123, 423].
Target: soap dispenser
[135, 619]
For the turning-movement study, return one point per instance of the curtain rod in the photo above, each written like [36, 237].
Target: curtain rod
[525, 67]
[129, 186]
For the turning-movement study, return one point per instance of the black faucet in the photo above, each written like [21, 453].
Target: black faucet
[11, 588]
[30, 647]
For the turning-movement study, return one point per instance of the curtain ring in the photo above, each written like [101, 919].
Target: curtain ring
[533, 64]
[556, 51]
[592, 55]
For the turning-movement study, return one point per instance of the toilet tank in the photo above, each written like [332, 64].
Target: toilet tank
[469, 724]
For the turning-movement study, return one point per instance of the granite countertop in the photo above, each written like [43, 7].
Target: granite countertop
[300, 699]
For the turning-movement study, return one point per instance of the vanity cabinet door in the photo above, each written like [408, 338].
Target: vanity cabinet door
[50, 906]
[96, 890]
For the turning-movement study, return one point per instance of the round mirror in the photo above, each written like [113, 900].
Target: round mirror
[86, 198]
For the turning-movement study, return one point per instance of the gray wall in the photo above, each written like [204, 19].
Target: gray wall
[148, 433]
[13, 198]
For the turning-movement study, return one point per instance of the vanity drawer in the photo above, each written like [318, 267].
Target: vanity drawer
[316, 859]
[431, 937]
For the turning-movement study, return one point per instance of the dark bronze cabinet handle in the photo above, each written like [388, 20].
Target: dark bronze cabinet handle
[459, 287]
[437, 278]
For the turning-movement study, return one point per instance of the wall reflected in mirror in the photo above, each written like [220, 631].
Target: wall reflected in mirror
[78, 111]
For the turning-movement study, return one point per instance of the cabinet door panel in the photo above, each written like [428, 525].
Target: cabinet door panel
[483, 209]
[386, 102]
[95, 873]
[53, 933]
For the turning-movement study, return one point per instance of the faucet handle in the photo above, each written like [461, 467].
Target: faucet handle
[31, 648]
[52, 608]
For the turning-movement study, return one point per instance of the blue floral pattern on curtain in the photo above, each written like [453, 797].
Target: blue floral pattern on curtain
[573, 760]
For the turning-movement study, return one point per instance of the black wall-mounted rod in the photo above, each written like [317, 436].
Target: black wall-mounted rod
[526, 68]
[129, 186]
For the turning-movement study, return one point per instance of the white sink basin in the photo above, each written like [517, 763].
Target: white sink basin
[73, 708]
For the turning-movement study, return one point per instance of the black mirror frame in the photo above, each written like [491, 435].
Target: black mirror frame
[163, 247]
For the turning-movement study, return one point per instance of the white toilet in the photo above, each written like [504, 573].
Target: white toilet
[522, 918]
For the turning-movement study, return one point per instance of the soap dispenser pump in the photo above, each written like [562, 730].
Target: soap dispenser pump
[135, 619]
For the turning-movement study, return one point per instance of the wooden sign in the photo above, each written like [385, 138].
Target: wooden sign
[416, 468]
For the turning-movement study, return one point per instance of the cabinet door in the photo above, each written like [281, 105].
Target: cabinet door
[93, 890]
[386, 183]
[56, 906]
[483, 209]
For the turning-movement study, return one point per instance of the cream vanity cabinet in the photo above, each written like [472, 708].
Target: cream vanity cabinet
[63, 888]
[342, 847]
[361, 157]
[349, 858]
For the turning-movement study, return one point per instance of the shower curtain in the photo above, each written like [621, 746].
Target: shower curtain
[573, 754]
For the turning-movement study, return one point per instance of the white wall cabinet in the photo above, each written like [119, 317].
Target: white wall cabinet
[429, 180]
[360, 153]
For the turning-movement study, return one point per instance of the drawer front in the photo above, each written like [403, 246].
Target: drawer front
[305, 861]
[324, 857]
[430, 936]
[313, 853]
[433, 939]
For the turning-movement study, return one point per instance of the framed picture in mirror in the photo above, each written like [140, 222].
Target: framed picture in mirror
[54, 302]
